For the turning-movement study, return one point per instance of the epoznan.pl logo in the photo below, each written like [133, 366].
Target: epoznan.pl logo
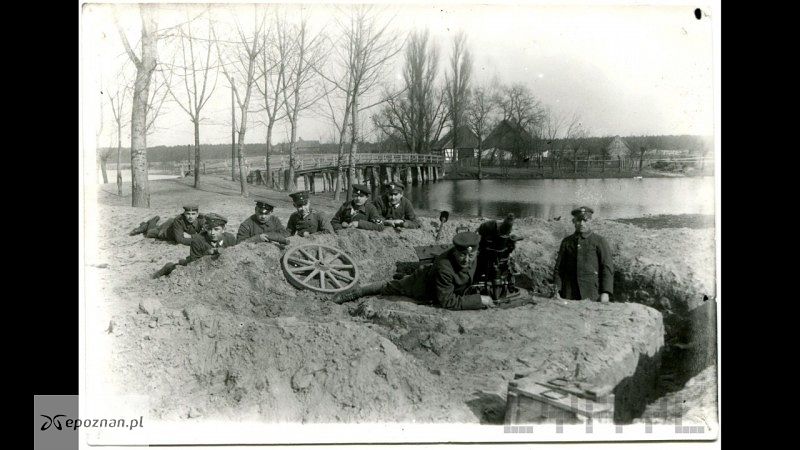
[57, 423]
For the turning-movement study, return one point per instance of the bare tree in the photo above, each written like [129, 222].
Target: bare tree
[479, 118]
[420, 114]
[521, 108]
[364, 47]
[272, 70]
[305, 53]
[457, 84]
[195, 65]
[145, 65]
[551, 128]
[102, 154]
[117, 106]
[639, 145]
[241, 66]
[575, 138]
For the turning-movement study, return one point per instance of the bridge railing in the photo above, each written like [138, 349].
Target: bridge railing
[328, 161]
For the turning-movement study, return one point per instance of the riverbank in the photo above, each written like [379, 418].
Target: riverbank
[230, 339]
[490, 173]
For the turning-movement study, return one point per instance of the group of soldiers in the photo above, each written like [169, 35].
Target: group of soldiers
[583, 270]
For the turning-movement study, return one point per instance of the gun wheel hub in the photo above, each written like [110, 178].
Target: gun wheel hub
[320, 268]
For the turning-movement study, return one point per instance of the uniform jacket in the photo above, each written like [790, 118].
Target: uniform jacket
[445, 279]
[367, 216]
[314, 222]
[251, 228]
[584, 268]
[404, 211]
[201, 243]
[180, 225]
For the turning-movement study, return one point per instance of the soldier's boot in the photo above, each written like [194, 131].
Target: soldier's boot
[152, 228]
[166, 270]
[145, 226]
[361, 291]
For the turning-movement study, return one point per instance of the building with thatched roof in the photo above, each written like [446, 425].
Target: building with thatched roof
[467, 144]
[509, 137]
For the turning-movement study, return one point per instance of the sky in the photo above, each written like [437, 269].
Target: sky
[625, 70]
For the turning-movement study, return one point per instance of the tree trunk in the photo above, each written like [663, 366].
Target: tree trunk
[233, 136]
[480, 161]
[268, 180]
[196, 153]
[641, 160]
[239, 157]
[103, 168]
[119, 159]
[289, 181]
[353, 143]
[140, 187]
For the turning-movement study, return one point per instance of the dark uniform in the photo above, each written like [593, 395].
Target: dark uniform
[172, 229]
[180, 226]
[584, 268]
[313, 222]
[367, 215]
[497, 244]
[445, 283]
[251, 229]
[402, 211]
[201, 243]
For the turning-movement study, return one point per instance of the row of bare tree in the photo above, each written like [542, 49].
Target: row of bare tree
[278, 68]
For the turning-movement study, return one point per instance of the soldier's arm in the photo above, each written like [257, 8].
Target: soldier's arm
[557, 270]
[373, 222]
[278, 227]
[177, 233]
[324, 225]
[291, 226]
[336, 221]
[196, 250]
[244, 234]
[606, 265]
[410, 219]
[447, 298]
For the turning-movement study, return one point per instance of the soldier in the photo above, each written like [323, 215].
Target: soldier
[261, 226]
[208, 242]
[497, 244]
[306, 221]
[358, 212]
[396, 210]
[447, 280]
[584, 269]
[178, 230]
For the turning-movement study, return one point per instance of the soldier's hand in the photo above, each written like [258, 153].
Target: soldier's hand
[304, 234]
[264, 237]
[211, 251]
[186, 235]
[487, 301]
[604, 297]
[556, 295]
[354, 224]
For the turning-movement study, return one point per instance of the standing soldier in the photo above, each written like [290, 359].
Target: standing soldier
[445, 283]
[584, 269]
[261, 226]
[358, 212]
[306, 221]
[396, 210]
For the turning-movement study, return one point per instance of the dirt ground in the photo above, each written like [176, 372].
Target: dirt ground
[230, 338]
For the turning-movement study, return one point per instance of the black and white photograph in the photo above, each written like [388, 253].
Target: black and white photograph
[381, 223]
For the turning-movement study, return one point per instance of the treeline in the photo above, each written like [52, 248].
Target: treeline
[591, 145]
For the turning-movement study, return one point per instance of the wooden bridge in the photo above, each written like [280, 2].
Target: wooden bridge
[317, 173]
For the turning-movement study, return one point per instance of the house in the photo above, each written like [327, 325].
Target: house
[617, 148]
[509, 137]
[467, 145]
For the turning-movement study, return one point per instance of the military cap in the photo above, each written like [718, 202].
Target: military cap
[466, 240]
[191, 207]
[262, 206]
[395, 187]
[584, 212]
[360, 189]
[300, 198]
[215, 220]
[505, 226]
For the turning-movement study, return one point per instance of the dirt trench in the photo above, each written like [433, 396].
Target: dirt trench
[229, 338]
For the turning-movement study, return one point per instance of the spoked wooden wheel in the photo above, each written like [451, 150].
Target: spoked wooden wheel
[320, 268]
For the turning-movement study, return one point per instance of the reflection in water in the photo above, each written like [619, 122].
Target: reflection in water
[610, 198]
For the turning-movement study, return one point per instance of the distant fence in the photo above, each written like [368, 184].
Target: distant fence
[566, 164]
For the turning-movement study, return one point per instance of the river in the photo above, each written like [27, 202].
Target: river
[549, 198]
